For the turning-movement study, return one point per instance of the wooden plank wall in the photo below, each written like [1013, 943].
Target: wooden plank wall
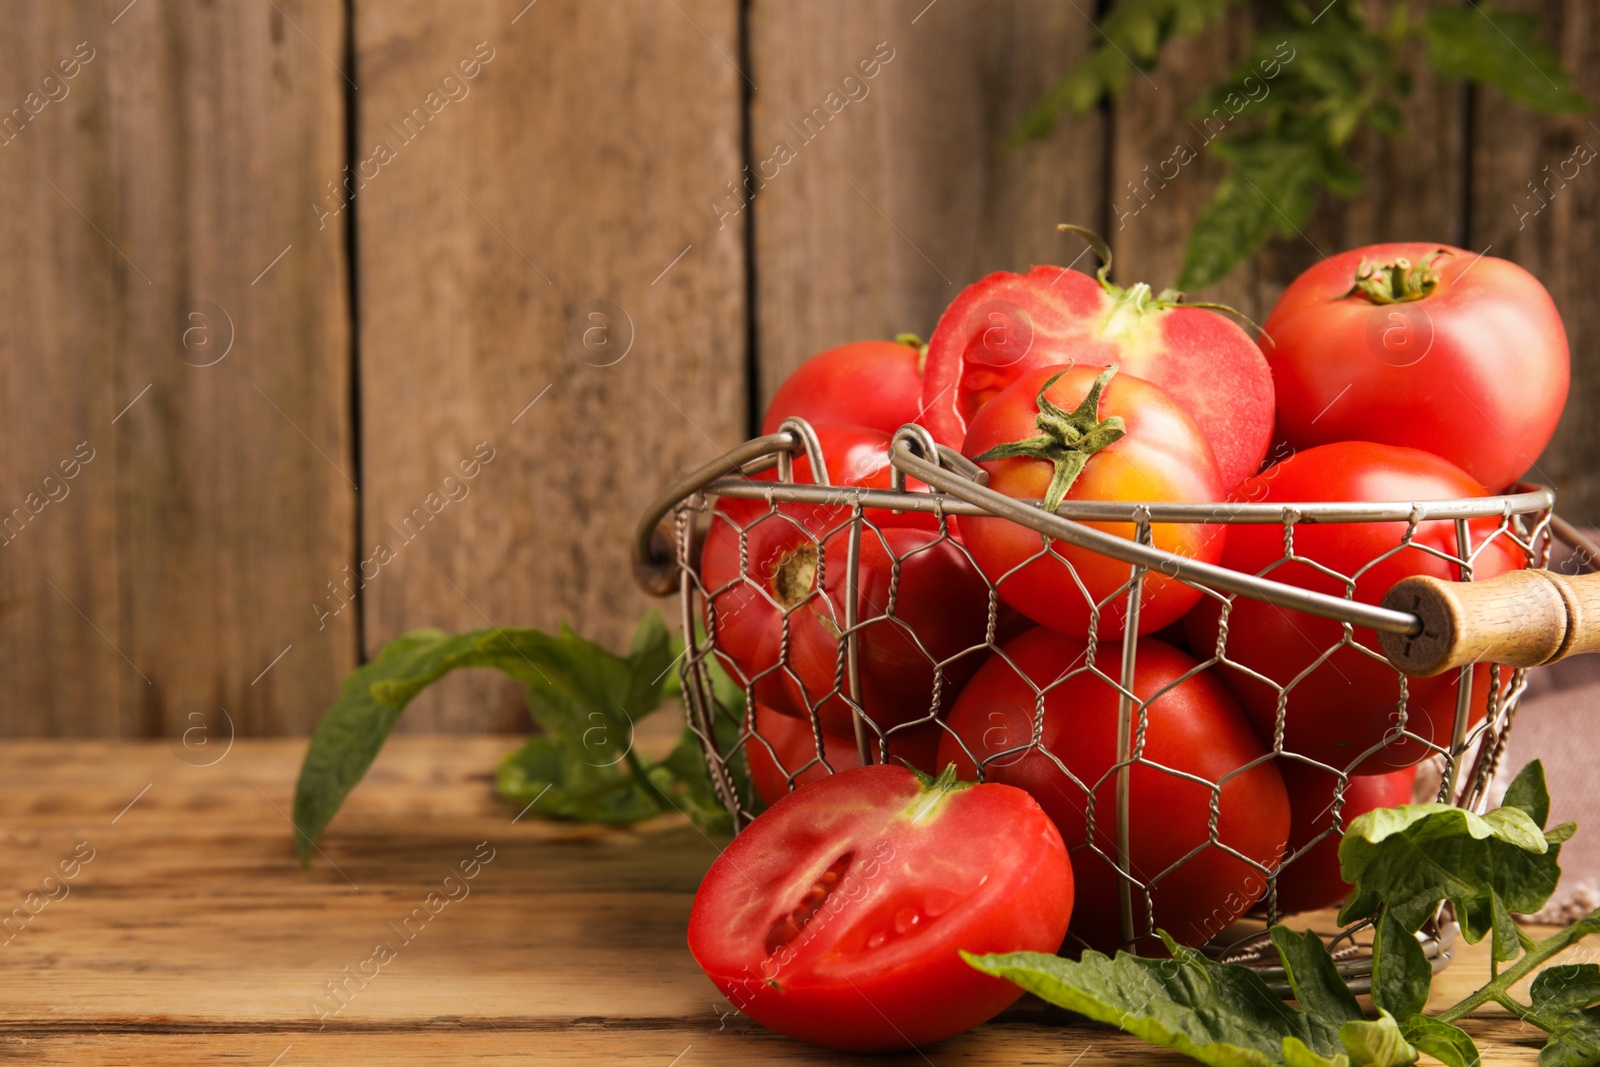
[490, 279]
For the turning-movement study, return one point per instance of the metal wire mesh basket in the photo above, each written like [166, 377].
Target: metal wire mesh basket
[731, 501]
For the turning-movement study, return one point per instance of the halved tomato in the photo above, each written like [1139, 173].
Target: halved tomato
[839, 916]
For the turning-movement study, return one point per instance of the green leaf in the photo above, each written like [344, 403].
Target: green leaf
[1496, 48]
[1448, 1044]
[1220, 1014]
[586, 700]
[1528, 792]
[1314, 979]
[1271, 187]
[1401, 973]
[1410, 858]
[1564, 998]
[351, 732]
[1376, 1043]
[1131, 36]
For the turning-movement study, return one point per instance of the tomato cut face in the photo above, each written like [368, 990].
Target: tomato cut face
[1009, 325]
[838, 916]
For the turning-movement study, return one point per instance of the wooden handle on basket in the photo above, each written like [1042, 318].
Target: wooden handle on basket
[1523, 618]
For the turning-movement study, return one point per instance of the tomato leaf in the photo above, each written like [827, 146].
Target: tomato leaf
[585, 699]
[1218, 1013]
[1448, 1044]
[1566, 1000]
[1131, 34]
[1497, 48]
[1401, 973]
[1409, 859]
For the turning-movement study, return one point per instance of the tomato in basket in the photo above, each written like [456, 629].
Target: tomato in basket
[1008, 326]
[872, 384]
[1342, 701]
[775, 581]
[840, 914]
[784, 745]
[1196, 747]
[1089, 433]
[1421, 345]
[1309, 880]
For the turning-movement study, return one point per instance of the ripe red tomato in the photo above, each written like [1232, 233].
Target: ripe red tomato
[1008, 325]
[839, 915]
[792, 589]
[1192, 728]
[1310, 880]
[793, 747]
[1346, 704]
[1441, 349]
[1162, 457]
[877, 384]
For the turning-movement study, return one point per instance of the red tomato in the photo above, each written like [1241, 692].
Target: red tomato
[793, 751]
[1347, 704]
[1310, 880]
[1162, 457]
[877, 384]
[791, 593]
[839, 915]
[1193, 727]
[1008, 325]
[1469, 363]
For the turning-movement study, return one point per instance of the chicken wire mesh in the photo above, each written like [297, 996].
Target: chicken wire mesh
[770, 570]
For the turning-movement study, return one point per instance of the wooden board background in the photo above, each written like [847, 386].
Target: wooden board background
[205, 561]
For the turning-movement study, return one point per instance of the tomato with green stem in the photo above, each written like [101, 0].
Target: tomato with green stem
[1425, 346]
[1089, 433]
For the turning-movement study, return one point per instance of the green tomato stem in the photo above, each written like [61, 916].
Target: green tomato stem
[1498, 988]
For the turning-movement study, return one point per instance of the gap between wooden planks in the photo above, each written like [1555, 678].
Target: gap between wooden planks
[192, 935]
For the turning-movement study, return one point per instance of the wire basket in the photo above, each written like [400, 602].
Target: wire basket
[1465, 757]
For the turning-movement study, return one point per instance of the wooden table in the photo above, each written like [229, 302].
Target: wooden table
[189, 934]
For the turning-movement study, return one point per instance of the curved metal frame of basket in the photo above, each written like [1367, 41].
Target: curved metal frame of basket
[664, 563]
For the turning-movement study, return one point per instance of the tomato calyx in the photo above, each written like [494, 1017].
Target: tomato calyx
[919, 344]
[935, 791]
[1397, 282]
[1067, 438]
[1129, 306]
[795, 576]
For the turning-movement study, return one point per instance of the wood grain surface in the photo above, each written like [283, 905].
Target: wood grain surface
[1546, 222]
[574, 177]
[190, 935]
[908, 194]
[177, 321]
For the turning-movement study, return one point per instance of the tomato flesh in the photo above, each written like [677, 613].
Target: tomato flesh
[1009, 325]
[839, 915]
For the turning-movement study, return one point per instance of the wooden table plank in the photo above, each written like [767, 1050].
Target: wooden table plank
[190, 934]
[206, 396]
[576, 167]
